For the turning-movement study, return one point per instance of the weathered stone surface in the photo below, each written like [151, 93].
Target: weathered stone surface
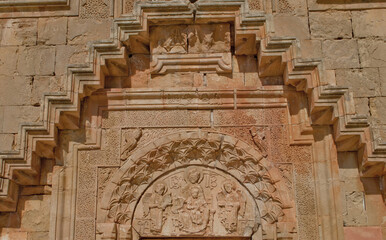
[38, 235]
[311, 48]
[82, 31]
[68, 54]
[52, 31]
[363, 82]
[21, 94]
[372, 52]
[35, 220]
[21, 31]
[362, 233]
[369, 23]
[330, 25]
[13, 235]
[6, 141]
[44, 85]
[362, 106]
[8, 60]
[377, 109]
[14, 115]
[382, 78]
[340, 54]
[37, 60]
[290, 26]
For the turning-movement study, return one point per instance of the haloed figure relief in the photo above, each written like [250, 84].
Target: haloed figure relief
[231, 205]
[196, 201]
[192, 208]
[154, 205]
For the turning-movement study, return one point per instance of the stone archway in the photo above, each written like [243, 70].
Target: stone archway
[215, 152]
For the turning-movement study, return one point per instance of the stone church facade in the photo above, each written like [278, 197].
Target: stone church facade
[206, 119]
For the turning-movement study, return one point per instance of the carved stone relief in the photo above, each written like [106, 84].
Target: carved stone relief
[183, 48]
[196, 201]
[129, 141]
[196, 197]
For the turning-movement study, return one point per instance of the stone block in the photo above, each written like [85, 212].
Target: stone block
[13, 235]
[21, 90]
[382, 78]
[52, 31]
[81, 31]
[14, 115]
[372, 52]
[330, 25]
[340, 54]
[378, 110]
[38, 235]
[39, 60]
[18, 32]
[362, 233]
[363, 82]
[354, 213]
[311, 48]
[291, 26]
[35, 213]
[8, 60]
[66, 55]
[6, 141]
[362, 106]
[45, 84]
[369, 23]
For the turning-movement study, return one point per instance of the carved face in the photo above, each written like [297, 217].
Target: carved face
[195, 192]
[194, 176]
[159, 188]
[228, 187]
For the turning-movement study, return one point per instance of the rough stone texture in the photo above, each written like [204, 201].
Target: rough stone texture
[348, 36]
[330, 25]
[340, 54]
[82, 31]
[369, 23]
[38, 60]
[362, 233]
[362, 106]
[7, 64]
[18, 32]
[52, 31]
[22, 114]
[372, 52]
[291, 26]
[363, 82]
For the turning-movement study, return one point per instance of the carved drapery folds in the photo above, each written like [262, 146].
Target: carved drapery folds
[210, 178]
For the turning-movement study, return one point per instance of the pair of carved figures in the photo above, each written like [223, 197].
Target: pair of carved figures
[192, 211]
[183, 39]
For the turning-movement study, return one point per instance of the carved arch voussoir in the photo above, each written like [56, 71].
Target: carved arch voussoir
[200, 149]
[329, 104]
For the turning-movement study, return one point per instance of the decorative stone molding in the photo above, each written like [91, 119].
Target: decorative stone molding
[212, 159]
[39, 8]
[328, 105]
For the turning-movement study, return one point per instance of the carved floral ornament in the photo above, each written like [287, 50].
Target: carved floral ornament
[191, 180]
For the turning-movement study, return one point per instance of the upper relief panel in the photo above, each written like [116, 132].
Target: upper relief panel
[190, 48]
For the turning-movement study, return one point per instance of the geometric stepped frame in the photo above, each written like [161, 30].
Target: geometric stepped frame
[328, 105]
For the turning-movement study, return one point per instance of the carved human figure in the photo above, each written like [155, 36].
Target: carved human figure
[231, 205]
[192, 208]
[154, 205]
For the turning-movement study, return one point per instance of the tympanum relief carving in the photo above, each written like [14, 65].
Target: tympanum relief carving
[203, 201]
